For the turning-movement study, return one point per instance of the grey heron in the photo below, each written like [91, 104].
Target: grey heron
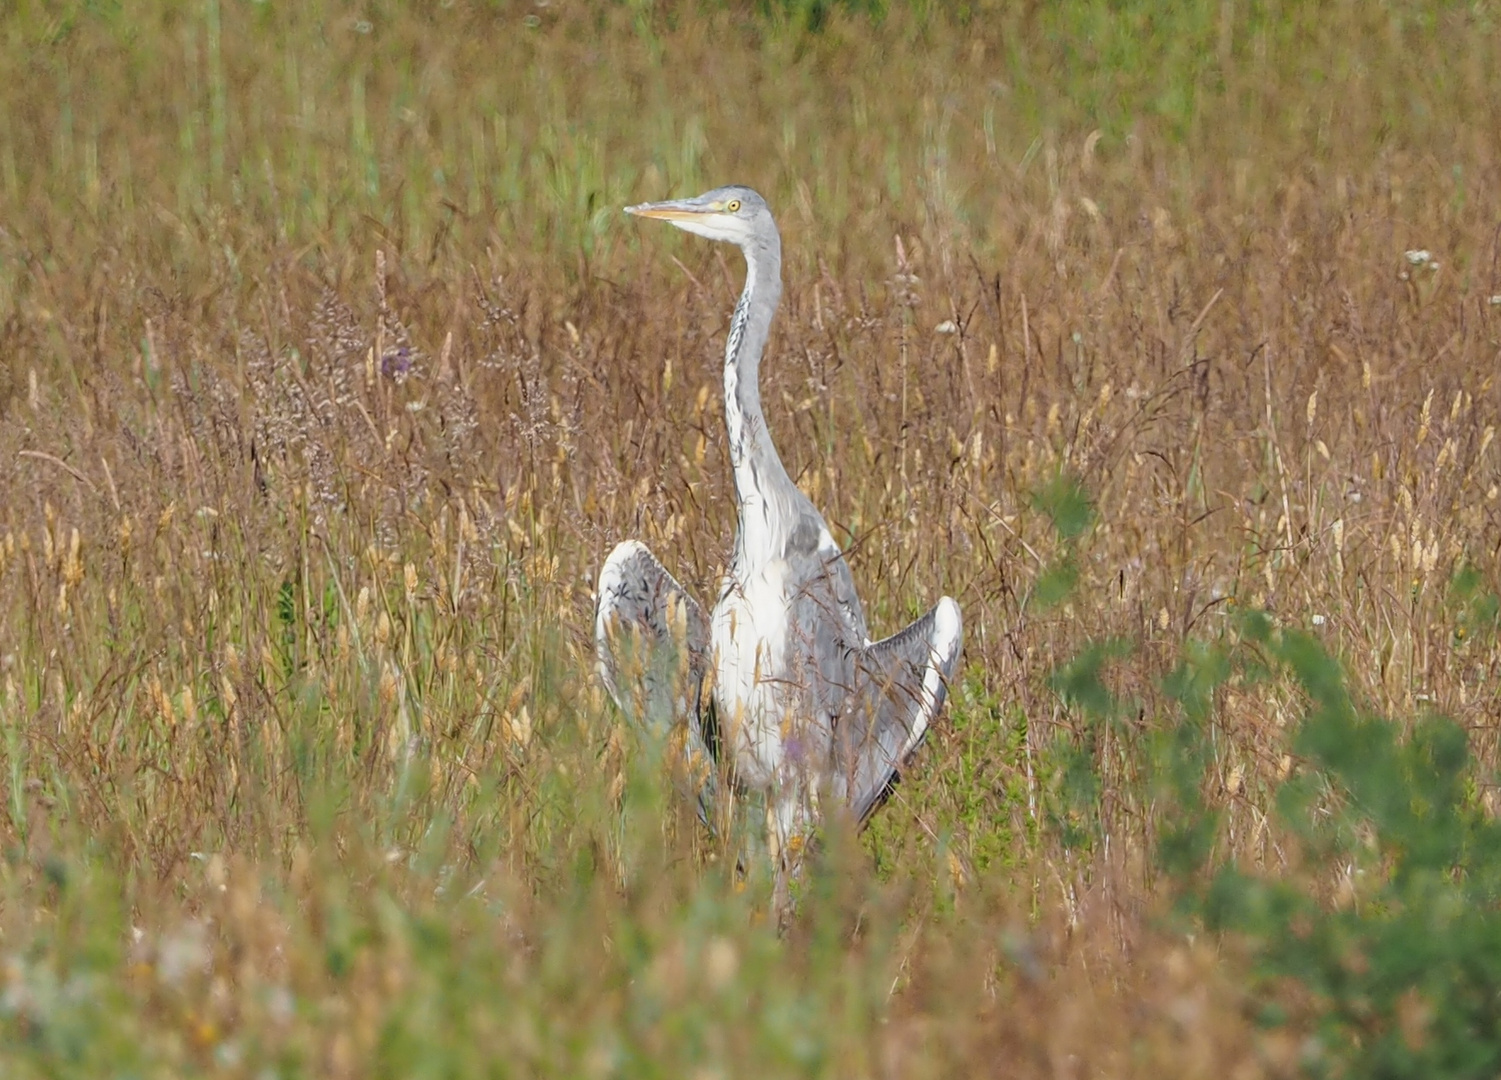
[806, 707]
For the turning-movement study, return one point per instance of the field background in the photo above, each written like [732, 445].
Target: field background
[330, 370]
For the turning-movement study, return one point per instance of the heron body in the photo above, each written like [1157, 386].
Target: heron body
[807, 707]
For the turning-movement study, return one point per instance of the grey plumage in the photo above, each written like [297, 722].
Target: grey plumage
[807, 708]
[887, 712]
[652, 642]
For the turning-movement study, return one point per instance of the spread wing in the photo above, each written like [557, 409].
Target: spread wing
[652, 643]
[900, 684]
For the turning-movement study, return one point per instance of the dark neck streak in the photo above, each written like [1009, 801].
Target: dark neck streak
[763, 490]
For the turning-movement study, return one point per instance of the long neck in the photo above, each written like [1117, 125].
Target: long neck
[762, 486]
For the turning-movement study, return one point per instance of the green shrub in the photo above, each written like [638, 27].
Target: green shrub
[1380, 942]
[1390, 926]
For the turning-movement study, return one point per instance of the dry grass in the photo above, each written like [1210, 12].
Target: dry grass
[329, 371]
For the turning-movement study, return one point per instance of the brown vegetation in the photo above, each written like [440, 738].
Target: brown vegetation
[329, 372]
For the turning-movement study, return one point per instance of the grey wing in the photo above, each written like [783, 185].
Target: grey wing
[828, 628]
[899, 685]
[651, 640]
[830, 624]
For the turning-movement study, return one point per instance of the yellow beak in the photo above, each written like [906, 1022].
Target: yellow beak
[671, 211]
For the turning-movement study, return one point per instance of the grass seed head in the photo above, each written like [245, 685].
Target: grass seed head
[73, 566]
[576, 403]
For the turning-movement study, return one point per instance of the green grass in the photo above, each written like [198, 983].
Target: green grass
[330, 370]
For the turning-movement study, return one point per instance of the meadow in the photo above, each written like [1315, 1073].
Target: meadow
[1165, 341]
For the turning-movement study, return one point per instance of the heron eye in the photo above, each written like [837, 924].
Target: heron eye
[733, 206]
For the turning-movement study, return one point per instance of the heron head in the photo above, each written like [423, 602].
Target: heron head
[734, 214]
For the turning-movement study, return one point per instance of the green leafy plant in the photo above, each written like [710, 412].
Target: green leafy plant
[1384, 940]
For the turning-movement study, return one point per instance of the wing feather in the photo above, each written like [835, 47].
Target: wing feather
[651, 639]
[900, 684]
